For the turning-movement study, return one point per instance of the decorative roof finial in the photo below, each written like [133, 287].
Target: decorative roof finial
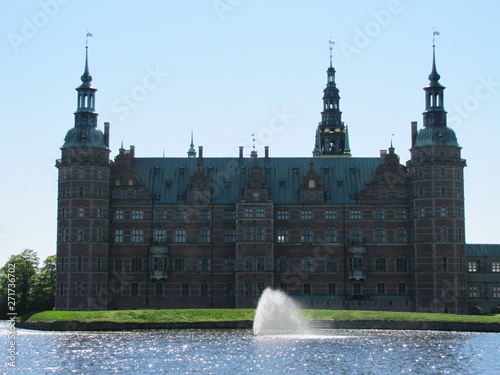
[331, 43]
[86, 77]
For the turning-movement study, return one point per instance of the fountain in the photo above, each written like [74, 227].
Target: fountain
[277, 314]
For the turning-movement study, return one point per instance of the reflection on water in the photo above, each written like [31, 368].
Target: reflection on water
[239, 351]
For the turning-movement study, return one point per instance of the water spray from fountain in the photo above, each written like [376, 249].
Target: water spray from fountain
[277, 313]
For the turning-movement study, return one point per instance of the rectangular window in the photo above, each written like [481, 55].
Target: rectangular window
[474, 291]
[248, 234]
[229, 265]
[260, 264]
[180, 235]
[229, 288]
[160, 215]
[473, 266]
[137, 235]
[131, 194]
[261, 234]
[380, 265]
[495, 289]
[330, 215]
[118, 235]
[204, 235]
[282, 264]
[179, 264]
[248, 213]
[79, 263]
[332, 288]
[400, 214]
[185, 289]
[179, 215]
[117, 194]
[306, 235]
[356, 235]
[402, 288]
[331, 235]
[136, 264]
[282, 215]
[99, 212]
[380, 288]
[118, 264]
[402, 194]
[331, 264]
[401, 235]
[260, 213]
[158, 263]
[379, 214]
[229, 235]
[204, 289]
[79, 234]
[307, 288]
[204, 265]
[134, 288]
[355, 215]
[229, 215]
[383, 194]
[495, 266]
[380, 235]
[282, 235]
[306, 215]
[401, 264]
[204, 215]
[160, 235]
[119, 215]
[99, 234]
[442, 192]
[158, 289]
[80, 192]
[356, 288]
[79, 288]
[444, 234]
[445, 263]
[81, 212]
[137, 214]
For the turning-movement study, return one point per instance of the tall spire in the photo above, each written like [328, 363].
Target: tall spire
[191, 151]
[331, 134]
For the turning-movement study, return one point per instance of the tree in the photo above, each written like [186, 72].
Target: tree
[43, 291]
[25, 270]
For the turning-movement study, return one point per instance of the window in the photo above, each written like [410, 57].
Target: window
[229, 288]
[383, 194]
[248, 213]
[118, 264]
[261, 234]
[204, 215]
[117, 194]
[204, 289]
[282, 235]
[473, 266]
[160, 235]
[402, 288]
[380, 288]
[444, 234]
[402, 194]
[79, 264]
[137, 235]
[331, 235]
[248, 289]
[158, 289]
[260, 213]
[380, 264]
[282, 264]
[204, 235]
[401, 235]
[248, 263]
[495, 289]
[137, 214]
[355, 215]
[179, 264]
[282, 215]
[180, 235]
[356, 235]
[99, 234]
[495, 266]
[160, 215]
[260, 264]
[204, 264]
[306, 235]
[306, 215]
[307, 288]
[229, 215]
[380, 235]
[64, 234]
[158, 263]
[131, 194]
[420, 212]
[330, 215]
[445, 263]
[400, 214]
[474, 291]
[356, 263]
[356, 288]
[442, 192]
[99, 212]
[185, 289]
[379, 214]
[119, 215]
[307, 264]
[421, 192]
[80, 192]
[230, 235]
[79, 288]
[401, 264]
[79, 234]
[179, 215]
[136, 264]
[118, 235]
[81, 212]
[248, 234]
[332, 288]
[331, 264]
[229, 265]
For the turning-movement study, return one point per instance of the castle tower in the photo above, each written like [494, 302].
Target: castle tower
[83, 208]
[437, 191]
[332, 138]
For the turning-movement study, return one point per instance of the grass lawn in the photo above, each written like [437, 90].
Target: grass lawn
[216, 315]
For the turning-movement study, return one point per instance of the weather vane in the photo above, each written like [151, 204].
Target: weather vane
[87, 36]
[331, 43]
[434, 33]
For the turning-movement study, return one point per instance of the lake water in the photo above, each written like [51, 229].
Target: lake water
[240, 352]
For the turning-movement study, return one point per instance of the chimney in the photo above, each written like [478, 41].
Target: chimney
[414, 133]
[200, 152]
[106, 134]
[132, 152]
[241, 152]
[266, 152]
[383, 153]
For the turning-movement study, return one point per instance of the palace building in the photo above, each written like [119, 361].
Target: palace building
[332, 230]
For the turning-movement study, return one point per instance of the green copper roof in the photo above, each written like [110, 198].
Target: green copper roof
[343, 178]
[84, 136]
[481, 250]
[436, 136]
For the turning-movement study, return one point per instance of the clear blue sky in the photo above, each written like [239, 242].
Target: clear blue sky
[229, 68]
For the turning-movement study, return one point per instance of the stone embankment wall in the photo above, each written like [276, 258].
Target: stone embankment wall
[247, 324]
